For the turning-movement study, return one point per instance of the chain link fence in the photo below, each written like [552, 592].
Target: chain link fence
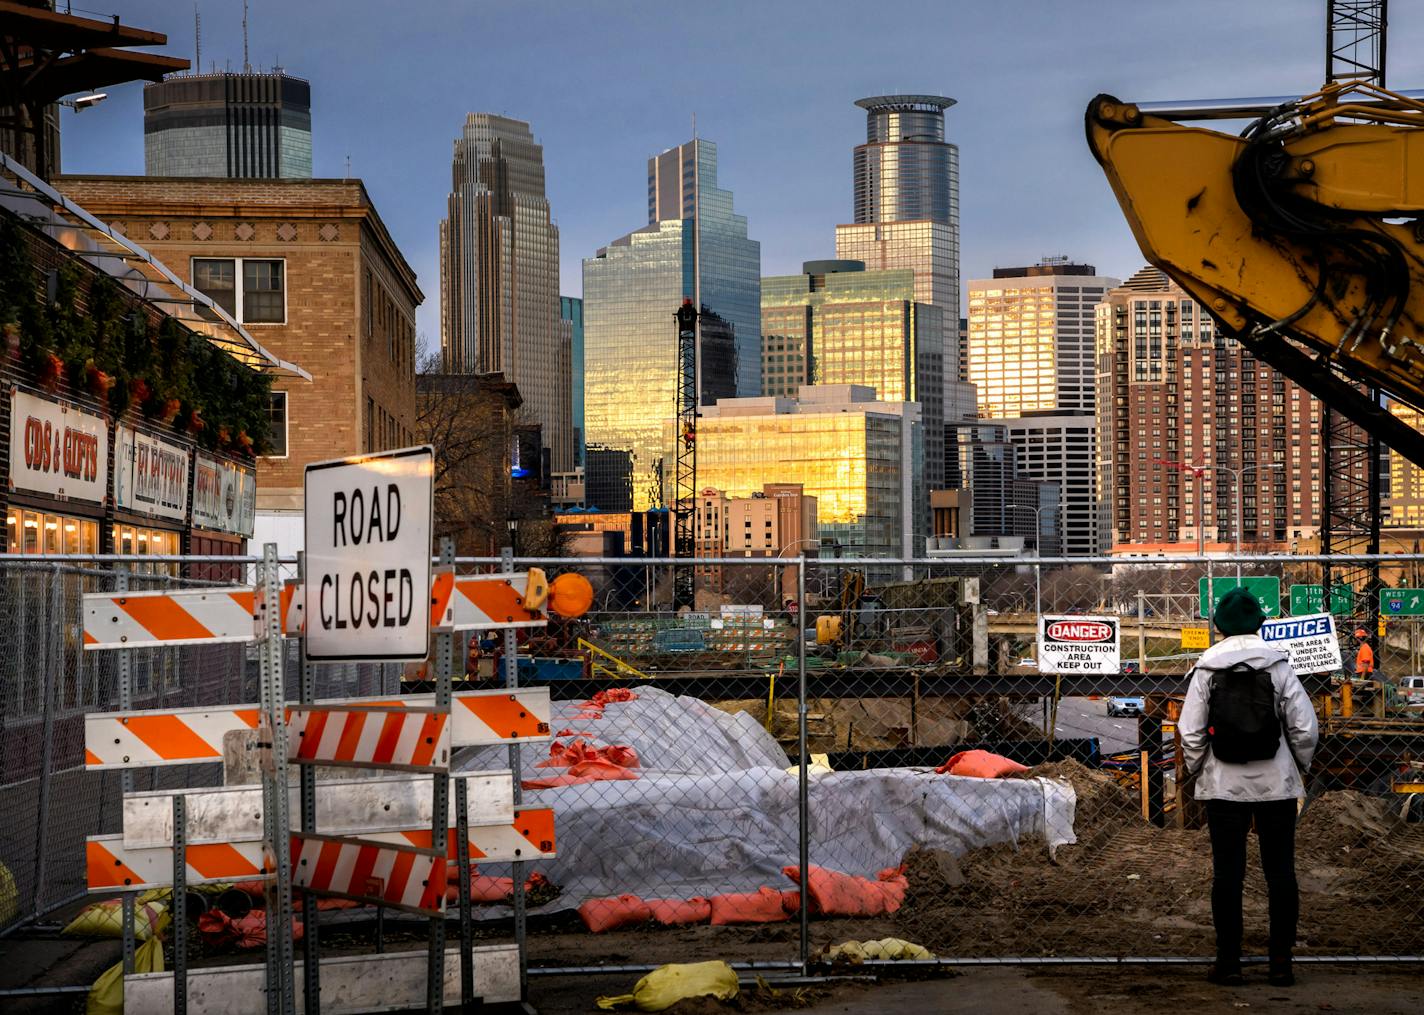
[707, 760]
[48, 683]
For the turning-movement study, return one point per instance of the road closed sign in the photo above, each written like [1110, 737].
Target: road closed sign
[367, 583]
[1078, 645]
[1309, 642]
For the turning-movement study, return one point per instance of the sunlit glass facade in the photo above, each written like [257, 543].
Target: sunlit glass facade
[694, 245]
[860, 460]
[857, 327]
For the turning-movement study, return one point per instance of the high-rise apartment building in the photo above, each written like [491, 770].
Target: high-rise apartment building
[906, 212]
[499, 266]
[571, 325]
[1031, 359]
[1405, 503]
[837, 323]
[694, 246]
[858, 456]
[245, 126]
[1176, 394]
[1031, 339]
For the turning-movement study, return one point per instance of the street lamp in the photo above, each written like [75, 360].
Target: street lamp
[1237, 474]
[1038, 552]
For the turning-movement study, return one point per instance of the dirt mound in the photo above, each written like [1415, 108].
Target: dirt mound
[1104, 806]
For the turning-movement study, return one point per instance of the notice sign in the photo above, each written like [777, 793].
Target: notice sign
[367, 586]
[1309, 642]
[1078, 645]
[57, 449]
[150, 475]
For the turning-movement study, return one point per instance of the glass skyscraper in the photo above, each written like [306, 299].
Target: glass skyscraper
[907, 210]
[838, 324]
[499, 274]
[571, 323]
[244, 126]
[694, 246]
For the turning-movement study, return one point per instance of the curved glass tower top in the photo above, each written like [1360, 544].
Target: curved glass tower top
[905, 169]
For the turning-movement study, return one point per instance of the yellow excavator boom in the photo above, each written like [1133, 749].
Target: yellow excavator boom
[1303, 236]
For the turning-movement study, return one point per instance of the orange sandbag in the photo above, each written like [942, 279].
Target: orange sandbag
[676, 912]
[836, 894]
[600, 915]
[613, 694]
[761, 906]
[791, 901]
[579, 751]
[584, 771]
[983, 764]
[483, 889]
[249, 931]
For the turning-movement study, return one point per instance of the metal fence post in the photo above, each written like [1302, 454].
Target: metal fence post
[311, 948]
[178, 899]
[803, 787]
[511, 682]
[52, 672]
[276, 819]
[125, 664]
[440, 819]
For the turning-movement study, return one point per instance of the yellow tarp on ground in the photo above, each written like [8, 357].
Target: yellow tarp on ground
[106, 997]
[667, 985]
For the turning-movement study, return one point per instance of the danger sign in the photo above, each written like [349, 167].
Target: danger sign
[367, 584]
[1078, 645]
[1309, 642]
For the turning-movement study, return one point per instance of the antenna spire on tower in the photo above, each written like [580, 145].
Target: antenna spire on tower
[197, 40]
[246, 66]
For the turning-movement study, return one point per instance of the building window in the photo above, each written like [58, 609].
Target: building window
[277, 420]
[262, 297]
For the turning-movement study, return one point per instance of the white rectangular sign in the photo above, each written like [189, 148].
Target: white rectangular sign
[1309, 642]
[224, 496]
[1076, 644]
[150, 475]
[367, 586]
[58, 449]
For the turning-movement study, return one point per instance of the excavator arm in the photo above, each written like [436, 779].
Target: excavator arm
[1303, 236]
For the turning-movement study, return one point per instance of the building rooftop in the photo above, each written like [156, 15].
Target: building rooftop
[906, 103]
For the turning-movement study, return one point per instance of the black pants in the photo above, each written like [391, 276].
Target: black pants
[1229, 822]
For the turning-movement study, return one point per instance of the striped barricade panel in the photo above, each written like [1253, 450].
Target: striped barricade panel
[486, 602]
[343, 807]
[186, 736]
[179, 617]
[111, 864]
[529, 837]
[182, 736]
[364, 736]
[405, 877]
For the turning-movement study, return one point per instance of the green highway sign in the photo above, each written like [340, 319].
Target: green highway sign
[1266, 589]
[1311, 599]
[1401, 602]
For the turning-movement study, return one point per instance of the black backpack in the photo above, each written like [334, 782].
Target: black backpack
[1242, 723]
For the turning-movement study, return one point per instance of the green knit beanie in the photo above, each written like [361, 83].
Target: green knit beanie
[1239, 612]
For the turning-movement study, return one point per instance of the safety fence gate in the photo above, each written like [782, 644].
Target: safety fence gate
[384, 835]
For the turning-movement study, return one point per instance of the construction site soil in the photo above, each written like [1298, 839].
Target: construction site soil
[1128, 888]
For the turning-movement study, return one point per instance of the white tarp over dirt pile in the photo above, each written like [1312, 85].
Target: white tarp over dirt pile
[713, 809]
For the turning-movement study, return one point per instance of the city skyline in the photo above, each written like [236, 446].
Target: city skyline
[1020, 201]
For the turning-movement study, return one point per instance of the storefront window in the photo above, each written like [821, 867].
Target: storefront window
[38, 532]
[137, 541]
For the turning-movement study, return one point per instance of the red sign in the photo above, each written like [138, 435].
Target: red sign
[1079, 631]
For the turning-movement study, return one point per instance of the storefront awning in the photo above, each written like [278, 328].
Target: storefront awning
[49, 211]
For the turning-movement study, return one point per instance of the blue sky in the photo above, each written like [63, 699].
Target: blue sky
[606, 83]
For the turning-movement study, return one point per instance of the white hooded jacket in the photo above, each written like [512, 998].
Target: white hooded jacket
[1277, 778]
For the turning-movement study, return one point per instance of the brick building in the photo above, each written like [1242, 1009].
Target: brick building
[1173, 389]
[129, 420]
[309, 269]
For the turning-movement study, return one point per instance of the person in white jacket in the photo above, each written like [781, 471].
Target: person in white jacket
[1262, 792]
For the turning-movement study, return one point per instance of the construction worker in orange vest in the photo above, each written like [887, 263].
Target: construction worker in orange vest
[1365, 657]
